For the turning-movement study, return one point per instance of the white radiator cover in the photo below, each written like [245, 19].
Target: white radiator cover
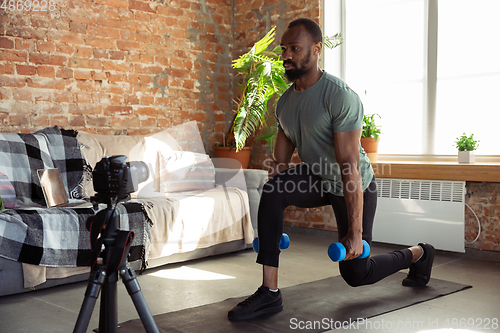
[412, 211]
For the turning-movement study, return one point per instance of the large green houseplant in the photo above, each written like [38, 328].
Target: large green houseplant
[263, 78]
[263, 81]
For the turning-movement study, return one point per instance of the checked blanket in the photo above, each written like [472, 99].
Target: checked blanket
[21, 155]
[58, 237]
[55, 237]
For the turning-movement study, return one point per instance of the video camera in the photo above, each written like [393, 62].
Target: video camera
[113, 178]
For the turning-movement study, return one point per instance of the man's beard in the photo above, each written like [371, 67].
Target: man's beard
[296, 73]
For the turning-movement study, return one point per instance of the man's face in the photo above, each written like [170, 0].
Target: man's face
[297, 48]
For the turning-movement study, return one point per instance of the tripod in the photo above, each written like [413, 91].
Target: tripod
[110, 253]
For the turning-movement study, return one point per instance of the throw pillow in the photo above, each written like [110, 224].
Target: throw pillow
[185, 171]
[135, 147]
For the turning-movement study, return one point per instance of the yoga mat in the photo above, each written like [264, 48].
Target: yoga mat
[330, 302]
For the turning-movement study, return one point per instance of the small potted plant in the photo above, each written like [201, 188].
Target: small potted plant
[466, 146]
[370, 136]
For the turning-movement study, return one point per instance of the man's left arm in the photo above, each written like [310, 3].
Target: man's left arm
[347, 154]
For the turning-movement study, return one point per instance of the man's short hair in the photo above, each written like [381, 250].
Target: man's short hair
[312, 28]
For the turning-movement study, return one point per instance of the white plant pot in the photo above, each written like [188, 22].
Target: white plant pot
[466, 157]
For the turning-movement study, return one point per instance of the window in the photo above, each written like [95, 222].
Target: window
[430, 69]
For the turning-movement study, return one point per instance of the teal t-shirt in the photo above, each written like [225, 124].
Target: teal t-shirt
[310, 118]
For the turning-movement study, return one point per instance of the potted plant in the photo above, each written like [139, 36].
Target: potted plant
[466, 146]
[264, 80]
[370, 136]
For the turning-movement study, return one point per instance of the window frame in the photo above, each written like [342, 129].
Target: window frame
[337, 13]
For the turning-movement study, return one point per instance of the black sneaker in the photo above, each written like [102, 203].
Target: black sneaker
[261, 302]
[420, 271]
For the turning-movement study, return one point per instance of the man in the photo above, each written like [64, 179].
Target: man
[322, 117]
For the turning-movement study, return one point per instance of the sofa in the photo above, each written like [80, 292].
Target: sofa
[186, 208]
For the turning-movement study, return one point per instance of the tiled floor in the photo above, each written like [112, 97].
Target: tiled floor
[212, 280]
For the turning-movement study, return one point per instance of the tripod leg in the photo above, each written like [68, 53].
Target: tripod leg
[94, 286]
[108, 317]
[134, 290]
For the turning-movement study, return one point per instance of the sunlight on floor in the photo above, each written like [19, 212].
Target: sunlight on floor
[190, 274]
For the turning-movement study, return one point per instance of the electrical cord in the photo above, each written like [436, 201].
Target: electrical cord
[478, 223]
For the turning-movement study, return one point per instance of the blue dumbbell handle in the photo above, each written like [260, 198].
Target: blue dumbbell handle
[284, 242]
[337, 251]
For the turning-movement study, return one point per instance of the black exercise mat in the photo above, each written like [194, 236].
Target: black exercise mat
[330, 302]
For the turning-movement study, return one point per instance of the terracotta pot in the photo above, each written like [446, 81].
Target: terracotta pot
[371, 148]
[226, 157]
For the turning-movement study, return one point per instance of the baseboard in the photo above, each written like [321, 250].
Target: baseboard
[482, 254]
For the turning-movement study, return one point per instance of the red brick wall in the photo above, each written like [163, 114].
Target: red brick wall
[484, 199]
[117, 66]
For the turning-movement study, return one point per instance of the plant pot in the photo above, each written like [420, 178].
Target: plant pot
[370, 146]
[466, 156]
[228, 158]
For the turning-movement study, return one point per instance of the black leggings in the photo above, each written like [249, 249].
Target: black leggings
[298, 186]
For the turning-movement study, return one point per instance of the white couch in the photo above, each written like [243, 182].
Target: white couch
[183, 225]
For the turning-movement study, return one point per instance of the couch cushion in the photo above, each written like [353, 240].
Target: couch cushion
[185, 221]
[135, 147]
[98, 145]
[185, 171]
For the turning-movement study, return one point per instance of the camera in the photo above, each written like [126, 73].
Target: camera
[115, 178]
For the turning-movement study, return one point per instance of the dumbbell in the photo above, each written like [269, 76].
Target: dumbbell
[337, 252]
[284, 242]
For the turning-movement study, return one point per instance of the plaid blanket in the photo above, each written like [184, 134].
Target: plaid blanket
[20, 156]
[65, 152]
[54, 237]
[58, 237]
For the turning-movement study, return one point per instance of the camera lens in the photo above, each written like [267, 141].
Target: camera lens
[139, 171]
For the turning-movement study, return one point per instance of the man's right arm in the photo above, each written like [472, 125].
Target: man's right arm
[282, 154]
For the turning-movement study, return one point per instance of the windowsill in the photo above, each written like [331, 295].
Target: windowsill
[485, 169]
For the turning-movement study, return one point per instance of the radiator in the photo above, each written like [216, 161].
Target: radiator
[411, 211]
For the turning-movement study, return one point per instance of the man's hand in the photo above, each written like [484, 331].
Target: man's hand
[353, 244]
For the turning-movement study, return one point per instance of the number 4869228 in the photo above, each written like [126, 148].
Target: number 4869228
[28, 5]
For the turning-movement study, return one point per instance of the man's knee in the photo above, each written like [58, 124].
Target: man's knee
[352, 278]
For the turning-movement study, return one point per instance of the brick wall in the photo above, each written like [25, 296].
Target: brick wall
[484, 199]
[117, 66]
